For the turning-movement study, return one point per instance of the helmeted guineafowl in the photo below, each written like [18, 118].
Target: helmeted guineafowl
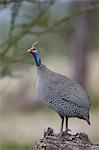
[60, 93]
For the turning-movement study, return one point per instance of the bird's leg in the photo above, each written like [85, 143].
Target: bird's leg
[67, 125]
[62, 123]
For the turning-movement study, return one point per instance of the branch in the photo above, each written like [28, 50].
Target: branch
[21, 34]
[65, 19]
[6, 2]
[27, 28]
[52, 141]
[15, 12]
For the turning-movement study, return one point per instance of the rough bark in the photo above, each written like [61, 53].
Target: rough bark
[52, 141]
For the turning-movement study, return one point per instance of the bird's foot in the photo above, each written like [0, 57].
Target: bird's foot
[65, 132]
[61, 134]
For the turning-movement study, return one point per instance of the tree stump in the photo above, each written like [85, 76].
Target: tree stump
[66, 141]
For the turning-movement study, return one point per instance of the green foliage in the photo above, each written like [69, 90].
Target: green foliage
[44, 19]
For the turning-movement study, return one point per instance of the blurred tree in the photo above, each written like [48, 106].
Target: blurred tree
[83, 34]
[29, 18]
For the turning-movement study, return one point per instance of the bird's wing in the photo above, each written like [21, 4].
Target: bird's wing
[72, 92]
[75, 94]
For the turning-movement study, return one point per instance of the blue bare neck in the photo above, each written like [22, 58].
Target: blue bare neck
[37, 58]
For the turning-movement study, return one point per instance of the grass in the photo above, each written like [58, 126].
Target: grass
[15, 146]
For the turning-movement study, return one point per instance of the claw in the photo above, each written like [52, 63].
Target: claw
[67, 131]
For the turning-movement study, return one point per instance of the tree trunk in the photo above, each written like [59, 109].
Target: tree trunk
[52, 141]
[81, 40]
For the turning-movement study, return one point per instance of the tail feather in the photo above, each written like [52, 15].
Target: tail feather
[88, 120]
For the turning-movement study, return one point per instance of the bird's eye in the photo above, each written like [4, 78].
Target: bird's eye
[34, 50]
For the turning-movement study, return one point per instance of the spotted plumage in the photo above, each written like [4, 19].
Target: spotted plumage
[60, 93]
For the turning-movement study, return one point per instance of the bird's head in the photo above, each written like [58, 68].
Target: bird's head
[35, 53]
[33, 48]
